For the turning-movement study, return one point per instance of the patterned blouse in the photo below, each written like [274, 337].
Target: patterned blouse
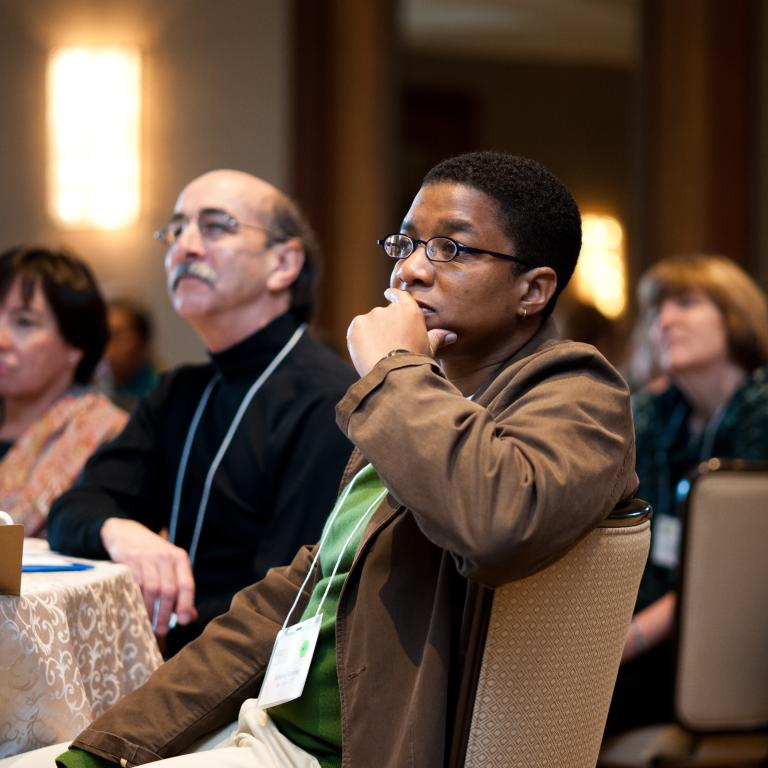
[46, 459]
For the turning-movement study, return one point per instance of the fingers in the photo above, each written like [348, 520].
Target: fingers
[163, 587]
[439, 337]
[400, 325]
[185, 599]
[161, 569]
[170, 586]
[138, 574]
[396, 296]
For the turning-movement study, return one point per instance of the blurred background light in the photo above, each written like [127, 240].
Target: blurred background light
[601, 275]
[94, 118]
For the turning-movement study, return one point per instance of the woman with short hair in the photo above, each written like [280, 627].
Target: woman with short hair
[707, 324]
[53, 330]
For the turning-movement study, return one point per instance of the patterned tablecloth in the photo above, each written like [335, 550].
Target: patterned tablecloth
[71, 645]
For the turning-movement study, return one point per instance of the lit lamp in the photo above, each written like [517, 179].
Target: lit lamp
[94, 111]
[600, 276]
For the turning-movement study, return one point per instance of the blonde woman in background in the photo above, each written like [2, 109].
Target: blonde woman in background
[708, 331]
[53, 330]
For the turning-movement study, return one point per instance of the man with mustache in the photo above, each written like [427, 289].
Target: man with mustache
[225, 469]
[485, 449]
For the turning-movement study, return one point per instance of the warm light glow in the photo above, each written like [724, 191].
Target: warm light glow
[94, 111]
[600, 277]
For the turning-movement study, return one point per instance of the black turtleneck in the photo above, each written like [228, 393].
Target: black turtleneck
[273, 489]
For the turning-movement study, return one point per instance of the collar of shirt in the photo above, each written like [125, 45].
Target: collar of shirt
[254, 353]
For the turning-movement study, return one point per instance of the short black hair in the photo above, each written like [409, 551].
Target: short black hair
[538, 213]
[71, 291]
[288, 222]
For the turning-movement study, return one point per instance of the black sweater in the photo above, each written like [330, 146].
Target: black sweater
[273, 490]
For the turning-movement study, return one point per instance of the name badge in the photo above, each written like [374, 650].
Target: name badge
[665, 543]
[289, 663]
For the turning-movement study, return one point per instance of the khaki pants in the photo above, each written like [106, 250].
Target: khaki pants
[255, 743]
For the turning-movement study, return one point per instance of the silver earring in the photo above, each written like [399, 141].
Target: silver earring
[525, 313]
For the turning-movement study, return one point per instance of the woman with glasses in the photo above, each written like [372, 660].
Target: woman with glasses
[707, 325]
[486, 448]
[53, 330]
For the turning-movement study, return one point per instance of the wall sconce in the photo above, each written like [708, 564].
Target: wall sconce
[94, 118]
[600, 276]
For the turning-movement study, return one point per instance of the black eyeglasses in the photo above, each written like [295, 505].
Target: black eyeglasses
[211, 223]
[399, 246]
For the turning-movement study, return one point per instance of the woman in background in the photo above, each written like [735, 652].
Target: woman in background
[708, 330]
[53, 330]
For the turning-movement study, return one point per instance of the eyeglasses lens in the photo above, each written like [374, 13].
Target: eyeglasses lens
[402, 246]
[171, 232]
[211, 225]
[398, 246]
[441, 249]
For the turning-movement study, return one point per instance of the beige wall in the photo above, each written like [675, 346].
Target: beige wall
[216, 94]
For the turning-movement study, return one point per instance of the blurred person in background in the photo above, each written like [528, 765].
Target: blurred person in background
[53, 330]
[708, 330]
[129, 372]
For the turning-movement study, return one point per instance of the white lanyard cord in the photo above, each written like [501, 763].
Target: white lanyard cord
[327, 530]
[343, 549]
[339, 504]
[185, 456]
[255, 387]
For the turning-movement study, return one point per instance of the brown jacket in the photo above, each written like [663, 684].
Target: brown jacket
[482, 491]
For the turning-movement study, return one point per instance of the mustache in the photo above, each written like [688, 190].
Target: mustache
[197, 269]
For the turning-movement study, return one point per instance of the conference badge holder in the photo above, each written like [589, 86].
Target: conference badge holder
[295, 645]
[289, 664]
[665, 543]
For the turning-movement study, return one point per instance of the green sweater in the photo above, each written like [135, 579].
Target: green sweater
[313, 721]
[76, 758]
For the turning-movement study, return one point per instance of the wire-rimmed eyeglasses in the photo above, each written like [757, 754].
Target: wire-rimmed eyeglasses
[212, 224]
[439, 249]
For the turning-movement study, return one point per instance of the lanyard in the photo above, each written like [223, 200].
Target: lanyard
[328, 527]
[668, 437]
[238, 417]
[294, 647]
[710, 432]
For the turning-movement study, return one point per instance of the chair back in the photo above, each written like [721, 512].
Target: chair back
[552, 652]
[722, 651]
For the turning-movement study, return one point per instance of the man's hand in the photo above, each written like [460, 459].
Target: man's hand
[400, 325]
[162, 570]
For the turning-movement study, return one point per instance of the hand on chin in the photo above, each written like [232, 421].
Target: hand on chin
[403, 324]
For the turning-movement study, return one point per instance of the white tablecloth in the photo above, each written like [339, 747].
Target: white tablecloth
[71, 645]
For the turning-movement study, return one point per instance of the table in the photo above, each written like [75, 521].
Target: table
[71, 645]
